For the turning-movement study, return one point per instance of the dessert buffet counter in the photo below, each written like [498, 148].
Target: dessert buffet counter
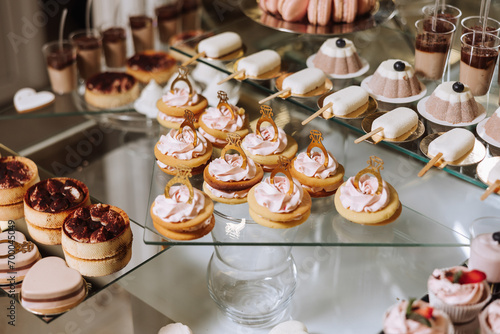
[372, 266]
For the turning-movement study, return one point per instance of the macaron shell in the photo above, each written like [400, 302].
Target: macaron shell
[338, 8]
[312, 11]
[293, 10]
[51, 278]
[350, 10]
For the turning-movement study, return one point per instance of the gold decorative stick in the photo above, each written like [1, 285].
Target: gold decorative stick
[266, 116]
[182, 177]
[375, 164]
[283, 167]
[223, 102]
[182, 77]
[234, 143]
[189, 120]
[317, 141]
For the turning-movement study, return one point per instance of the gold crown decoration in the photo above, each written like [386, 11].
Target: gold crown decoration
[182, 77]
[222, 95]
[317, 141]
[283, 167]
[182, 175]
[234, 143]
[189, 120]
[266, 116]
[375, 165]
[25, 247]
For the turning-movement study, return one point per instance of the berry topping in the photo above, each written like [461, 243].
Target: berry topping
[425, 312]
[466, 277]
[421, 315]
[458, 87]
[340, 43]
[496, 236]
[399, 66]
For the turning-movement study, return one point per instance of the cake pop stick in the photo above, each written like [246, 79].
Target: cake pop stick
[491, 189]
[368, 135]
[193, 59]
[231, 76]
[317, 113]
[284, 92]
[429, 165]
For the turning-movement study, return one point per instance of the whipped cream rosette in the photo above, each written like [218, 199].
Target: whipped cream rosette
[279, 202]
[489, 319]
[368, 199]
[267, 145]
[183, 147]
[216, 123]
[172, 105]
[182, 212]
[460, 292]
[228, 179]
[318, 172]
[416, 317]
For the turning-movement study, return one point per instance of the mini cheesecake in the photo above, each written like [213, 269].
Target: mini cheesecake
[48, 203]
[17, 174]
[97, 240]
[111, 89]
[149, 64]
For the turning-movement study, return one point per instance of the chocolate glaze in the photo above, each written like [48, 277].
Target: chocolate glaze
[111, 82]
[53, 195]
[13, 173]
[432, 43]
[482, 59]
[94, 223]
[61, 59]
[150, 62]
[87, 42]
[140, 21]
[441, 27]
[113, 35]
[167, 12]
[188, 5]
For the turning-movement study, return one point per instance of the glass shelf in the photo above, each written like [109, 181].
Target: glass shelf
[141, 253]
[294, 51]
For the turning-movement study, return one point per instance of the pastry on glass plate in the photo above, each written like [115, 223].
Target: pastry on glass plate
[183, 147]
[150, 64]
[179, 99]
[111, 90]
[268, 145]
[366, 199]
[318, 172]
[228, 179]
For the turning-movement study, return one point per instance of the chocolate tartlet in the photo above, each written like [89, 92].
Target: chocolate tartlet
[97, 240]
[150, 64]
[111, 90]
[17, 174]
[48, 203]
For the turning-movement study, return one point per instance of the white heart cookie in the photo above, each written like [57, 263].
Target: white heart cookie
[27, 99]
[290, 327]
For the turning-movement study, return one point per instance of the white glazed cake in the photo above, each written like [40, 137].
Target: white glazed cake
[396, 122]
[453, 144]
[220, 45]
[345, 101]
[304, 81]
[259, 63]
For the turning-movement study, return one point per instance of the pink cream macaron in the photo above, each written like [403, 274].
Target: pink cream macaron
[338, 9]
[270, 6]
[17, 256]
[293, 10]
[350, 11]
[319, 11]
[51, 287]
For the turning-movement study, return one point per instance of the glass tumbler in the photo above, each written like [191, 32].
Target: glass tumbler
[485, 247]
[251, 284]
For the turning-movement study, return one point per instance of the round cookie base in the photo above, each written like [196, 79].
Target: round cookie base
[382, 217]
[182, 236]
[230, 201]
[191, 163]
[179, 111]
[114, 100]
[269, 162]
[173, 125]
[332, 181]
[275, 224]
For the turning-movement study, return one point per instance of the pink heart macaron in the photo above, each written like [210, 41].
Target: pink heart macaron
[17, 256]
[50, 287]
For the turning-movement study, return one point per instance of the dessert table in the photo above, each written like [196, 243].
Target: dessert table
[346, 276]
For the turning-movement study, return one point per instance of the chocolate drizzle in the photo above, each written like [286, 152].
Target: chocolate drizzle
[111, 82]
[113, 35]
[59, 59]
[93, 224]
[151, 61]
[13, 173]
[140, 21]
[87, 42]
[53, 195]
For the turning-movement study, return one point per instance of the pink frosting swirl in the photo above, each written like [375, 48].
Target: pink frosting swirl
[364, 199]
[220, 119]
[275, 197]
[227, 194]
[181, 147]
[168, 118]
[395, 321]
[255, 144]
[229, 169]
[212, 139]
[176, 209]
[180, 97]
[493, 316]
[314, 166]
[454, 293]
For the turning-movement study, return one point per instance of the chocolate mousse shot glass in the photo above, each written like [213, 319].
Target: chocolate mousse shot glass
[142, 32]
[88, 52]
[477, 61]
[472, 23]
[432, 45]
[446, 12]
[114, 44]
[169, 19]
[61, 65]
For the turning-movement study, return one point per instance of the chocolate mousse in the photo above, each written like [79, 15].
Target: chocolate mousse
[142, 32]
[150, 62]
[55, 195]
[88, 53]
[93, 224]
[115, 48]
[431, 49]
[61, 66]
[111, 82]
[168, 21]
[190, 15]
